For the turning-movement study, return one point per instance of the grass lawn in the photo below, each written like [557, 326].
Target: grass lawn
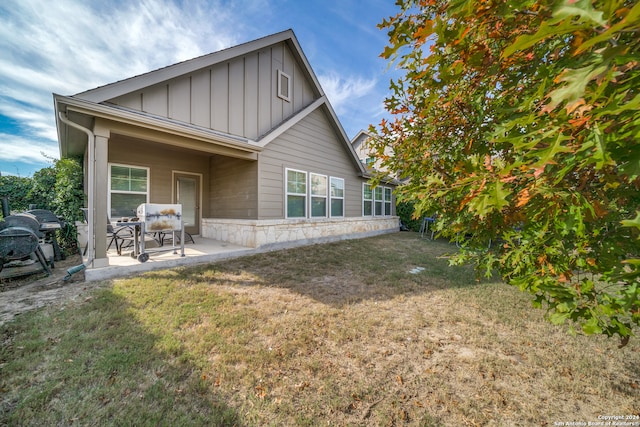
[335, 334]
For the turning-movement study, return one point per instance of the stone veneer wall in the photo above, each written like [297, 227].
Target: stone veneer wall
[282, 232]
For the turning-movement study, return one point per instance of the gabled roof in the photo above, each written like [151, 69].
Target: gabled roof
[132, 84]
[94, 103]
[361, 137]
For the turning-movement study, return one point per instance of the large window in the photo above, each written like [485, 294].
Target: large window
[367, 200]
[377, 201]
[128, 188]
[337, 196]
[318, 195]
[296, 194]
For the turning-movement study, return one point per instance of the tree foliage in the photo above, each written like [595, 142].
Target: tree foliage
[16, 189]
[405, 210]
[41, 193]
[57, 188]
[69, 197]
[519, 122]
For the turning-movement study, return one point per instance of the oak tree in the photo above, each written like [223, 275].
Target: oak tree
[518, 123]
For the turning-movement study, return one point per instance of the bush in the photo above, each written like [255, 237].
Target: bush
[69, 199]
[16, 189]
[57, 188]
[42, 191]
[405, 212]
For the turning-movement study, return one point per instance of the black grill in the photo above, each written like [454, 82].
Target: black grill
[20, 237]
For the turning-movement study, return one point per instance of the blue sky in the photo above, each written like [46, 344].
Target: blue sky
[69, 46]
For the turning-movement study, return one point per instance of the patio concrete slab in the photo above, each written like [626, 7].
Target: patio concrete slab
[201, 252]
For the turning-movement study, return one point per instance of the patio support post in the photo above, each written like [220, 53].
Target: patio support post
[101, 194]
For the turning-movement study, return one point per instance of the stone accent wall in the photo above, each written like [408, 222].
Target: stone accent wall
[289, 232]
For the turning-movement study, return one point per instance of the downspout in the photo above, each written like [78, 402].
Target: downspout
[91, 142]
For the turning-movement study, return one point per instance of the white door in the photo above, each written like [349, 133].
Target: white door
[187, 193]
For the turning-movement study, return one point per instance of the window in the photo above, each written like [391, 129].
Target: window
[284, 86]
[387, 201]
[337, 196]
[296, 194]
[367, 200]
[318, 195]
[378, 201]
[325, 195]
[128, 188]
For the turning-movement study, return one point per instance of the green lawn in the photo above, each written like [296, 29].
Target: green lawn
[334, 334]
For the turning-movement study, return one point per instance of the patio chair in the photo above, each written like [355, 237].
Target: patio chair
[164, 236]
[120, 235]
[427, 225]
[126, 234]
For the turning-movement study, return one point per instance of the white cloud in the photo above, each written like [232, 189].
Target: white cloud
[71, 46]
[26, 150]
[345, 91]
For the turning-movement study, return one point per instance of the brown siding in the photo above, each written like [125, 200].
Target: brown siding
[265, 91]
[233, 187]
[201, 98]
[180, 99]
[236, 97]
[132, 100]
[251, 96]
[312, 146]
[154, 100]
[161, 161]
[219, 97]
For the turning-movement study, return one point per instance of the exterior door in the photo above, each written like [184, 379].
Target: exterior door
[187, 193]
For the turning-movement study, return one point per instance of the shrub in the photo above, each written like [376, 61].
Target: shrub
[16, 189]
[405, 211]
[69, 198]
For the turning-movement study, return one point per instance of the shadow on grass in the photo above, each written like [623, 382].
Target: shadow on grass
[341, 273]
[92, 363]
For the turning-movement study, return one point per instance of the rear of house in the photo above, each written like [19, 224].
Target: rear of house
[244, 139]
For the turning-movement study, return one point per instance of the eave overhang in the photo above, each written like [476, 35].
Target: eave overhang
[245, 148]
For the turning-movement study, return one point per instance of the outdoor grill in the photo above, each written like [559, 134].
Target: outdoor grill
[20, 238]
[49, 223]
[157, 219]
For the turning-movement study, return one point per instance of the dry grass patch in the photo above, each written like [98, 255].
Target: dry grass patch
[337, 334]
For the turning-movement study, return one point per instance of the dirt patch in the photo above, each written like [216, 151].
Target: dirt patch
[29, 292]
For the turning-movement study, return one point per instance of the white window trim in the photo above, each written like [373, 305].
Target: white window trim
[331, 197]
[281, 94]
[387, 201]
[287, 193]
[110, 191]
[312, 196]
[364, 184]
[376, 200]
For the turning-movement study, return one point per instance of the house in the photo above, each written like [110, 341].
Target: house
[244, 139]
[370, 160]
[363, 151]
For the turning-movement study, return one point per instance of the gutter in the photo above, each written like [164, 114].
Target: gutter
[163, 124]
[91, 142]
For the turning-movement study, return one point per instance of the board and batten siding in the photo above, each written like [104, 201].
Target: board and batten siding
[238, 96]
[161, 160]
[312, 146]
